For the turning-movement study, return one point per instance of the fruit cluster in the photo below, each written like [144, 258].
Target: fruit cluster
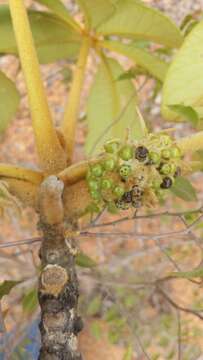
[134, 174]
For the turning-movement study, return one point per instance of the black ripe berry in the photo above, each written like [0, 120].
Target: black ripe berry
[127, 197]
[166, 183]
[177, 172]
[141, 153]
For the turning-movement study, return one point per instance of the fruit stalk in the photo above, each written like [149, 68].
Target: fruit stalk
[73, 105]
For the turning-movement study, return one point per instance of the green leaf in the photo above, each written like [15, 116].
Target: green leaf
[183, 189]
[6, 286]
[156, 67]
[134, 19]
[187, 112]
[97, 11]
[129, 353]
[59, 9]
[54, 39]
[9, 101]
[105, 110]
[85, 261]
[94, 306]
[183, 83]
[197, 273]
[30, 301]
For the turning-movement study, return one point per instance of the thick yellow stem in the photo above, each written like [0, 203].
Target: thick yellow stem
[191, 143]
[20, 173]
[51, 155]
[73, 105]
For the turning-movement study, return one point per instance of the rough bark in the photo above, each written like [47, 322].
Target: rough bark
[58, 285]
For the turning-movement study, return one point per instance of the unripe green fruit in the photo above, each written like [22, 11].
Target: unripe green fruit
[126, 153]
[106, 184]
[165, 169]
[125, 171]
[173, 168]
[118, 191]
[93, 184]
[97, 170]
[111, 147]
[165, 139]
[95, 194]
[175, 152]
[154, 157]
[166, 154]
[109, 164]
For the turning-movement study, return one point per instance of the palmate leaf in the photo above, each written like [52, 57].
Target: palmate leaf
[183, 83]
[187, 113]
[59, 9]
[9, 101]
[97, 11]
[134, 19]
[54, 39]
[155, 66]
[108, 98]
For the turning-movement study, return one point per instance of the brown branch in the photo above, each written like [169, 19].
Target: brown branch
[179, 307]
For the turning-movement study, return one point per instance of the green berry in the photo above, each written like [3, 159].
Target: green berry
[175, 152]
[154, 157]
[125, 171]
[173, 168]
[95, 194]
[165, 169]
[109, 164]
[111, 147]
[165, 139]
[97, 170]
[126, 152]
[93, 184]
[166, 154]
[106, 184]
[118, 191]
